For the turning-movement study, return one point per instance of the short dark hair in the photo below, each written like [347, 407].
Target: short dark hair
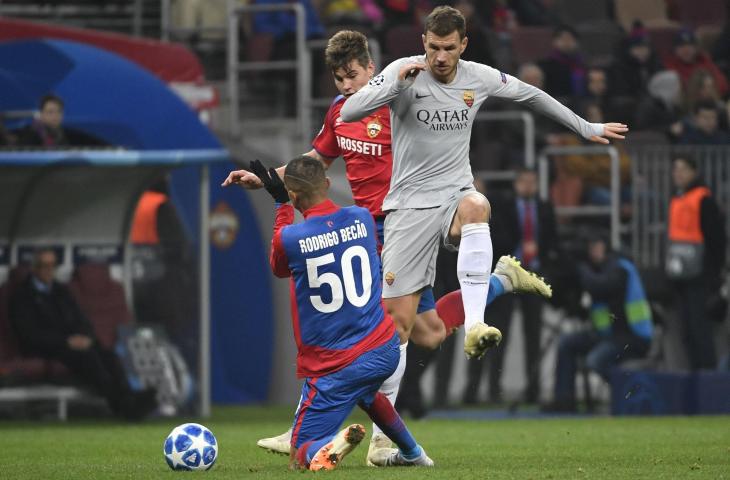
[705, 105]
[443, 20]
[304, 175]
[344, 47]
[50, 98]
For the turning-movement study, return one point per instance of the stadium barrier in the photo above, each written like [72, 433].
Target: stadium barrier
[302, 65]
[611, 211]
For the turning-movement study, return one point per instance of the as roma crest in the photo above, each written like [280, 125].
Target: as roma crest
[374, 127]
[469, 97]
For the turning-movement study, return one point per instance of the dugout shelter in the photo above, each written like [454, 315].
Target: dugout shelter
[82, 202]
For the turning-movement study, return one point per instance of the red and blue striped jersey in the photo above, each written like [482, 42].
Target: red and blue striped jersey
[332, 258]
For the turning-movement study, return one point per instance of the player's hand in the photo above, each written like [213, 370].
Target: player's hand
[271, 181]
[610, 130]
[410, 71]
[244, 178]
[79, 342]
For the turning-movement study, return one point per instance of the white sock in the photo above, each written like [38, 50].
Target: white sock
[473, 266]
[391, 385]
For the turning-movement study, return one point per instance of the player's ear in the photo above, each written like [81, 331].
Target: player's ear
[371, 69]
[464, 42]
[327, 182]
[423, 39]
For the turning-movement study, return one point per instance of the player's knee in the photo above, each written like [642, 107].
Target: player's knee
[474, 208]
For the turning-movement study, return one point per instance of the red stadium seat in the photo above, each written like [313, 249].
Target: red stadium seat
[652, 13]
[695, 13]
[530, 44]
[101, 299]
[662, 38]
[573, 12]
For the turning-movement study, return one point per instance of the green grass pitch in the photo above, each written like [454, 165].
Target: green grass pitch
[561, 448]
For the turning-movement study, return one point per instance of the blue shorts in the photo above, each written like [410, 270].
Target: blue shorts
[327, 401]
[427, 302]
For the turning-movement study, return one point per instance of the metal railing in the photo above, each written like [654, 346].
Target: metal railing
[652, 189]
[302, 65]
[611, 211]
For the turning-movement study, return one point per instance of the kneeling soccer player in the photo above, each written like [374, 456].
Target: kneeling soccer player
[347, 344]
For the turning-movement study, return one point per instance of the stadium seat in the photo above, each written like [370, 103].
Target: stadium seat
[599, 41]
[662, 38]
[101, 299]
[573, 12]
[530, 44]
[695, 13]
[652, 13]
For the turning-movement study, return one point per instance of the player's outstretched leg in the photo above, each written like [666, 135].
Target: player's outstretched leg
[280, 444]
[329, 455]
[508, 277]
[521, 280]
[408, 453]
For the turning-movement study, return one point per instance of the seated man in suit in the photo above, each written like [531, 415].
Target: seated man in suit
[49, 323]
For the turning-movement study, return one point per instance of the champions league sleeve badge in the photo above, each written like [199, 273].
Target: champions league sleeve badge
[377, 81]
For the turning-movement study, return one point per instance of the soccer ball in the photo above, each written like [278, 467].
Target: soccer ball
[190, 446]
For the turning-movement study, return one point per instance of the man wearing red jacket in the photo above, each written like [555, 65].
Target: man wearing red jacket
[687, 58]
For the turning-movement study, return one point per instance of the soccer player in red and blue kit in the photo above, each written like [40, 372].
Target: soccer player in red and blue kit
[365, 146]
[347, 345]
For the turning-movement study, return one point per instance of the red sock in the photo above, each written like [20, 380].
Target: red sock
[451, 310]
[301, 455]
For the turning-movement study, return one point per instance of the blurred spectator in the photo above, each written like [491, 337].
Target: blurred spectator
[721, 50]
[478, 49]
[5, 138]
[660, 110]
[635, 64]
[49, 323]
[282, 24]
[343, 12]
[599, 93]
[704, 129]
[701, 87]
[695, 259]
[621, 322]
[165, 282]
[687, 58]
[503, 17]
[564, 68]
[48, 131]
[523, 226]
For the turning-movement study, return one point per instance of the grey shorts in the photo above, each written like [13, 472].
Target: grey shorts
[412, 237]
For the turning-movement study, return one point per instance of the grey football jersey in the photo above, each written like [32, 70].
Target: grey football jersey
[431, 125]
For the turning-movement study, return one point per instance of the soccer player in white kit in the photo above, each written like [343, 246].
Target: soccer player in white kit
[433, 100]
